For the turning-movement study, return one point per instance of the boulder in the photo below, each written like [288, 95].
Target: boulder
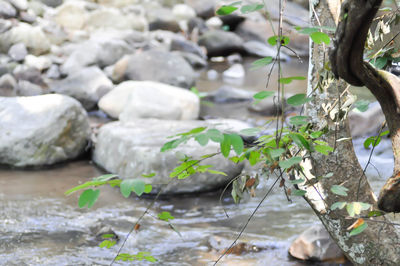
[41, 130]
[160, 66]
[221, 43]
[87, 85]
[147, 99]
[315, 244]
[132, 149]
[366, 123]
[32, 36]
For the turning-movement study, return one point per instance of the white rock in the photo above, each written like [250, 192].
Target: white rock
[132, 149]
[39, 62]
[147, 99]
[27, 88]
[19, 4]
[212, 74]
[41, 130]
[236, 71]
[18, 52]
[183, 12]
[113, 18]
[214, 23]
[71, 15]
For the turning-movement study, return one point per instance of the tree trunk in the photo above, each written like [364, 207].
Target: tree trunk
[379, 243]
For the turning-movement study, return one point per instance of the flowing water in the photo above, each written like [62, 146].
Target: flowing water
[41, 226]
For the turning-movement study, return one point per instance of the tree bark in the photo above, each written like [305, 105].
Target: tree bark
[378, 244]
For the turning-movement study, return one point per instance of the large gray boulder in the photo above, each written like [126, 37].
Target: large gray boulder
[132, 149]
[87, 85]
[148, 99]
[315, 244]
[221, 43]
[160, 66]
[41, 130]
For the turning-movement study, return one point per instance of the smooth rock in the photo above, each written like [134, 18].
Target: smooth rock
[183, 12]
[212, 74]
[31, 74]
[7, 85]
[183, 45]
[236, 71]
[18, 52]
[160, 66]
[55, 128]
[204, 9]
[7, 10]
[227, 94]
[214, 23]
[21, 5]
[147, 99]
[167, 25]
[221, 43]
[260, 49]
[39, 62]
[132, 149]
[234, 59]
[71, 15]
[27, 17]
[32, 36]
[26, 88]
[366, 123]
[315, 244]
[194, 60]
[5, 25]
[87, 85]
[53, 72]
[52, 3]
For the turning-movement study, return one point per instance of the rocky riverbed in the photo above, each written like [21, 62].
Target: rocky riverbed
[92, 87]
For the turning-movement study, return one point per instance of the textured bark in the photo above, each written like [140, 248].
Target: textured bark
[348, 64]
[378, 244]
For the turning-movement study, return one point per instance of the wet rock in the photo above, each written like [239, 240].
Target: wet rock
[221, 43]
[183, 12]
[194, 60]
[32, 36]
[87, 85]
[232, 21]
[7, 10]
[234, 59]
[315, 244]
[71, 15]
[26, 88]
[132, 149]
[160, 66]
[227, 94]
[146, 99]
[99, 230]
[39, 62]
[260, 49]
[236, 71]
[55, 128]
[18, 52]
[7, 85]
[366, 123]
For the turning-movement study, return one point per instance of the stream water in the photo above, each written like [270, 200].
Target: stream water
[41, 226]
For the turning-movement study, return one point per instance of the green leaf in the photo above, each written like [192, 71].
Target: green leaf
[320, 37]
[193, 131]
[300, 193]
[226, 10]
[237, 143]
[338, 205]
[284, 40]
[361, 105]
[297, 181]
[306, 30]
[339, 190]
[211, 171]
[300, 140]
[298, 120]
[290, 162]
[251, 8]
[172, 144]
[381, 62]
[129, 185]
[148, 188]
[105, 177]
[263, 94]
[149, 175]
[298, 99]
[359, 229]
[202, 139]
[254, 157]
[250, 131]
[89, 197]
[226, 146]
[324, 149]
[261, 62]
[215, 135]
[316, 134]
[290, 79]
[375, 214]
[328, 175]
[275, 153]
[165, 216]
[107, 243]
